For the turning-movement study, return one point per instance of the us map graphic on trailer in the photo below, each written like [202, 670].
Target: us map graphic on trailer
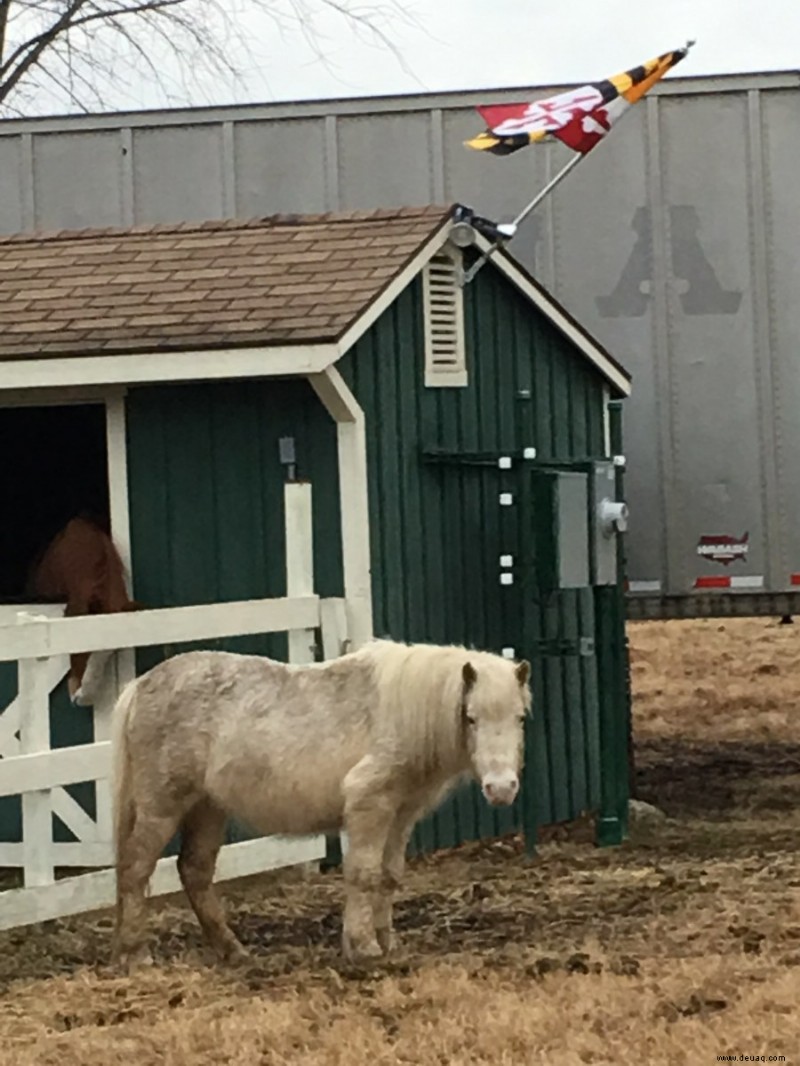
[704, 295]
[723, 548]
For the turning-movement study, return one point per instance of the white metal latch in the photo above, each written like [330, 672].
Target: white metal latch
[613, 517]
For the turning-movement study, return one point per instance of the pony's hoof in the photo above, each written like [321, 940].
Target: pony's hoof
[79, 699]
[387, 941]
[127, 961]
[360, 953]
[234, 952]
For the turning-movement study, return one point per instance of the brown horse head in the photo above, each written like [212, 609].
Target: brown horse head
[82, 567]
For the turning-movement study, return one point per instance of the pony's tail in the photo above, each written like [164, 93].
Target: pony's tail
[124, 810]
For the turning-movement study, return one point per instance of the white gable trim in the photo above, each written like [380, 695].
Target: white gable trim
[155, 367]
[551, 310]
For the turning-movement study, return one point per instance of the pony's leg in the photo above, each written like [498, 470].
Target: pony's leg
[370, 810]
[203, 832]
[394, 864]
[139, 852]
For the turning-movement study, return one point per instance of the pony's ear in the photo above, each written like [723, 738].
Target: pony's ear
[470, 675]
[523, 672]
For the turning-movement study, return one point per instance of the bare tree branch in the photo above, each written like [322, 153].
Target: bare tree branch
[78, 50]
[30, 51]
[4, 9]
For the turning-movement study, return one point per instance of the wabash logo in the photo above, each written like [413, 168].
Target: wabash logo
[723, 548]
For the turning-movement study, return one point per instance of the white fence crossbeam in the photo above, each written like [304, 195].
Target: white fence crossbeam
[9, 718]
[75, 895]
[84, 854]
[74, 816]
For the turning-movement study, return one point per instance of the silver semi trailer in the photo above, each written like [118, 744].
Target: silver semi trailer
[675, 242]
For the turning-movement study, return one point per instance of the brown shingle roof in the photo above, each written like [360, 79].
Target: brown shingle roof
[282, 280]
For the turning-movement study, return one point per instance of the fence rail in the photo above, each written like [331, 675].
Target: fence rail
[37, 638]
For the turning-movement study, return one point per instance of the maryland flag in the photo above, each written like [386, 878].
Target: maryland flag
[579, 118]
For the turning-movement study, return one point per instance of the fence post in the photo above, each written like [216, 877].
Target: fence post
[299, 562]
[333, 623]
[34, 736]
[109, 688]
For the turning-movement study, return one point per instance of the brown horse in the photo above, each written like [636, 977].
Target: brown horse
[82, 568]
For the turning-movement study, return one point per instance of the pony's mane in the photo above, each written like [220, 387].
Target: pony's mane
[421, 691]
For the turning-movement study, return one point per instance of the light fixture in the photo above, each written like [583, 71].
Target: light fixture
[462, 234]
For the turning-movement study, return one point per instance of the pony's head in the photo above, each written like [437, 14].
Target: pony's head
[495, 701]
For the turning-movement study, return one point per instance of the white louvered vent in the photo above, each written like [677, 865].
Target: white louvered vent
[445, 356]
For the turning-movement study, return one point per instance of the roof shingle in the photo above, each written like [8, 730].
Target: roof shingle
[286, 279]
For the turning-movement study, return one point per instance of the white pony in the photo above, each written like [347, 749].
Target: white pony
[368, 743]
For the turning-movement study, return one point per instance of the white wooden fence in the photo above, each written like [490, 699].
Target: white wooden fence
[30, 768]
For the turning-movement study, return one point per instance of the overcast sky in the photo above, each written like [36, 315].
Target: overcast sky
[464, 44]
[435, 45]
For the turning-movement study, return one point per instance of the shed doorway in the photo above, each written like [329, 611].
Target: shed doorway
[53, 466]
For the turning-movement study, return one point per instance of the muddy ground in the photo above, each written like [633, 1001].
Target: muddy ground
[679, 946]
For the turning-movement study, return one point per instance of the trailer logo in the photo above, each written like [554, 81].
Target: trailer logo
[700, 291]
[723, 548]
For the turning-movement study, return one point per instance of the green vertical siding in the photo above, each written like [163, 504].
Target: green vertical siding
[206, 491]
[425, 523]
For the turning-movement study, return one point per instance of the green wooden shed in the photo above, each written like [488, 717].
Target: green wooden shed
[318, 405]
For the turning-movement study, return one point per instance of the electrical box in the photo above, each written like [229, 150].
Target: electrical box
[576, 519]
[561, 525]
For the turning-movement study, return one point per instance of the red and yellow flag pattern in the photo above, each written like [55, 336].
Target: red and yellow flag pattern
[579, 118]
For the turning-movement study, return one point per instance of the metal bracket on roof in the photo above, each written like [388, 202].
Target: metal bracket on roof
[466, 228]
[466, 217]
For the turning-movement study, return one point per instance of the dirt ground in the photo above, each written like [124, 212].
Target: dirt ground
[683, 945]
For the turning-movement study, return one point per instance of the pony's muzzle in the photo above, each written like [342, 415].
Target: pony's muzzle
[500, 789]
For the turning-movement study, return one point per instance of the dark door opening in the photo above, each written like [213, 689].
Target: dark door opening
[53, 466]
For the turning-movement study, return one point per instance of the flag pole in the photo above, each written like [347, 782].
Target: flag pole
[548, 188]
[512, 227]
[508, 230]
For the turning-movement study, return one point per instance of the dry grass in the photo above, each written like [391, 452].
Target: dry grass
[686, 674]
[680, 946]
